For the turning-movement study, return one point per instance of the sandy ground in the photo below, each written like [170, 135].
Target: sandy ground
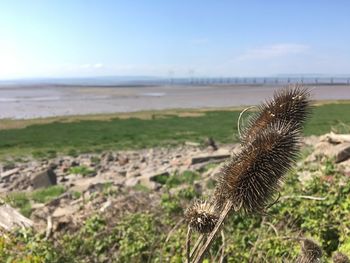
[48, 101]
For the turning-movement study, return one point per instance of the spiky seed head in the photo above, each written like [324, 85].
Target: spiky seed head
[339, 257]
[290, 105]
[201, 216]
[311, 252]
[252, 176]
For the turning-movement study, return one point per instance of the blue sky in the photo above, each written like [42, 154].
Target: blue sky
[75, 38]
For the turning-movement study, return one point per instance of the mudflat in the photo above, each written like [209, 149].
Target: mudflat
[26, 102]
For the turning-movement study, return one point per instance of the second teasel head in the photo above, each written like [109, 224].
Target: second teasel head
[252, 177]
[311, 252]
[339, 257]
[201, 216]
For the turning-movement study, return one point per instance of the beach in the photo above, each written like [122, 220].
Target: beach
[27, 102]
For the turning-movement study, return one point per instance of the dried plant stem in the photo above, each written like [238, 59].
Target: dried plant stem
[196, 245]
[172, 230]
[253, 249]
[202, 250]
[272, 227]
[195, 255]
[221, 250]
[304, 197]
[171, 233]
[188, 244]
[222, 247]
[239, 119]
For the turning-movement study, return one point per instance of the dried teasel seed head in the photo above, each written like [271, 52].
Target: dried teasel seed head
[201, 216]
[311, 252]
[289, 105]
[339, 257]
[252, 177]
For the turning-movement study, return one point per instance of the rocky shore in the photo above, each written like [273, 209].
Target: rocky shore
[125, 181]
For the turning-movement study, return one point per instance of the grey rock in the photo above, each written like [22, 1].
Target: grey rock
[150, 184]
[9, 166]
[8, 173]
[131, 182]
[133, 174]
[122, 173]
[106, 206]
[343, 154]
[211, 143]
[107, 158]
[209, 157]
[44, 179]
[123, 160]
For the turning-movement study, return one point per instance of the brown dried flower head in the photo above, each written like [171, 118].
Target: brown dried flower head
[339, 257]
[311, 252]
[289, 105]
[252, 176]
[201, 216]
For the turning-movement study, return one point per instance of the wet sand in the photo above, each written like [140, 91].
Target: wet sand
[24, 102]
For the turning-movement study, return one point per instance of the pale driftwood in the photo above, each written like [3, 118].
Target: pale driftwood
[49, 227]
[10, 218]
[335, 138]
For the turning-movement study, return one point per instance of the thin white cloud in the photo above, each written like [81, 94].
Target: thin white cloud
[91, 66]
[98, 65]
[272, 51]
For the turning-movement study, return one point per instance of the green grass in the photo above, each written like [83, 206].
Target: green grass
[46, 140]
[187, 177]
[82, 170]
[47, 194]
[22, 200]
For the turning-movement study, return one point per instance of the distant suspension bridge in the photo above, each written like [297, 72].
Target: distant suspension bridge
[257, 81]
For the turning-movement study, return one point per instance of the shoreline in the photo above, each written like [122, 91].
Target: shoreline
[12, 123]
[48, 101]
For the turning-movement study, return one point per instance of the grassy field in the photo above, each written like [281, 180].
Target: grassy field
[46, 138]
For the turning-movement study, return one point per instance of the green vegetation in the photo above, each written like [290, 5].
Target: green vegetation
[47, 194]
[187, 177]
[48, 139]
[82, 170]
[159, 234]
[144, 236]
[22, 200]
[177, 179]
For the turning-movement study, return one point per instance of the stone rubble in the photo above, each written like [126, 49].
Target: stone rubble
[122, 171]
